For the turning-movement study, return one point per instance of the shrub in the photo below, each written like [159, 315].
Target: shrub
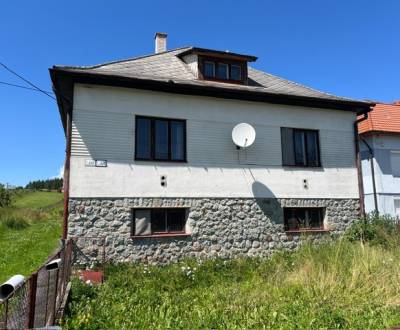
[15, 223]
[376, 229]
[5, 196]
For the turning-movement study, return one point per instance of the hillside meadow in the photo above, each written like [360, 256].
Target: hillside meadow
[29, 231]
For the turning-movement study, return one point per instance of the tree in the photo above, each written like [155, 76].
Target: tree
[49, 184]
[5, 196]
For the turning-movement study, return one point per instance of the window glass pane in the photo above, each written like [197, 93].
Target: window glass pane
[222, 72]
[161, 139]
[395, 163]
[315, 218]
[142, 222]
[291, 222]
[177, 140]
[143, 138]
[287, 146]
[300, 215]
[176, 220]
[209, 69]
[236, 73]
[299, 147]
[158, 221]
[295, 218]
[312, 148]
[397, 208]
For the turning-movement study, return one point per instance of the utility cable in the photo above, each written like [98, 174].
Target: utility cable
[27, 81]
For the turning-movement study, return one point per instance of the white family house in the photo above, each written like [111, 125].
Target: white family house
[380, 154]
[151, 165]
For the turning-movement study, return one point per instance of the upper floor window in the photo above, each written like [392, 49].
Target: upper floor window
[223, 70]
[160, 139]
[395, 162]
[300, 147]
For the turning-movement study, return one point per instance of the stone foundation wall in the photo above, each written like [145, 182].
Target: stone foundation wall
[220, 227]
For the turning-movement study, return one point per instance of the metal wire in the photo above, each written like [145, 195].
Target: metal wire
[38, 301]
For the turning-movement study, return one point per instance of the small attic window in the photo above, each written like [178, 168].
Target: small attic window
[223, 70]
[236, 72]
[209, 69]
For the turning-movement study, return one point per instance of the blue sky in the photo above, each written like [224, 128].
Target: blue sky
[345, 47]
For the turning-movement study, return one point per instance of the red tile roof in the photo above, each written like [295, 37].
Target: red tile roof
[382, 118]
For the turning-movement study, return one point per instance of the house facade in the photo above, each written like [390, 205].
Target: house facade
[380, 154]
[152, 169]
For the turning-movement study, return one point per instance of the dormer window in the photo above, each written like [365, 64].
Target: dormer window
[223, 70]
[236, 72]
[209, 69]
[215, 65]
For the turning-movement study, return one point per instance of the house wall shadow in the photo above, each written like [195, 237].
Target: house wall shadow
[267, 202]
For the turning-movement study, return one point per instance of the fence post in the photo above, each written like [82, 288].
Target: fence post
[32, 300]
[55, 298]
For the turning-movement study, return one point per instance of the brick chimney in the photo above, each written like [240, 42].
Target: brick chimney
[161, 42]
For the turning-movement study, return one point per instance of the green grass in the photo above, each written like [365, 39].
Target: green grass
[38, 199]
[336, 285]
[29, 232]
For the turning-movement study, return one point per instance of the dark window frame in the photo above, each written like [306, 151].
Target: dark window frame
[182, 232]
[321, 228]
[305, 130]
[217, 61]
[152, 139]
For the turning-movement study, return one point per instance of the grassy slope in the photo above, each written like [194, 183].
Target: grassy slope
[23, 250]
[38, 199]
[338, 285]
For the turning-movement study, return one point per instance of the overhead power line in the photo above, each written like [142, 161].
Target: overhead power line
[19, 86]
[27, 81]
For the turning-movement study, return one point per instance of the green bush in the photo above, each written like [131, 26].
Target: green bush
[376, 229]
[5, 196]
[15, 223]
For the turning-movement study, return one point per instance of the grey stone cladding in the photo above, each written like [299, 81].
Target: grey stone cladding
[218, 227]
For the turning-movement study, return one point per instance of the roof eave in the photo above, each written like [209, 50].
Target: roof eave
[226, 54]
[63, 80]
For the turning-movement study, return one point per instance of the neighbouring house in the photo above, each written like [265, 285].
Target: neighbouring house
[151, 166]
[380, 154]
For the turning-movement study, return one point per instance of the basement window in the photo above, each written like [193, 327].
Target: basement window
[304, 219]
[159, 222]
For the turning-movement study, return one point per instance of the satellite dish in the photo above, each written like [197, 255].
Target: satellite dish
[243, 135]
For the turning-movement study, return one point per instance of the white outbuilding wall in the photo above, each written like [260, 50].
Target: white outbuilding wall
[386, 149]
[103, 129]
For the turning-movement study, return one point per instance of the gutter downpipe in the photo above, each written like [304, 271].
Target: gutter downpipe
[371, 158]
[358, 164]
[66, 174]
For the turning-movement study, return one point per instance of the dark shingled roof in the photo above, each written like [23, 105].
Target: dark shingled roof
[168, 66]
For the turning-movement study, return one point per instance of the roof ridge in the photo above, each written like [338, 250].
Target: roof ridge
[95, 66]
[390, 104]
[301, 85]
